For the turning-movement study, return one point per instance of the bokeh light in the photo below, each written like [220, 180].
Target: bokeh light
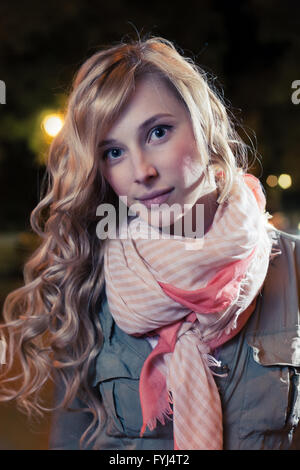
[284, 181]
[272, 181]
[52, 124]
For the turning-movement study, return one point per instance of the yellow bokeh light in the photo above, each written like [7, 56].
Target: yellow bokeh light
[285, 181]
[272, 181]
[52, 124]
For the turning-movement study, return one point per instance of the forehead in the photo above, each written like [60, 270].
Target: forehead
[151, 96]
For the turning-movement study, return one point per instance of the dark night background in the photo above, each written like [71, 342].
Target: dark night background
[251, 48]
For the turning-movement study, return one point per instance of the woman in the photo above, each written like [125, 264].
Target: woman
[167, 324]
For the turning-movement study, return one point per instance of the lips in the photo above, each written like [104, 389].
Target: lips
[154, 194]
[156, 197]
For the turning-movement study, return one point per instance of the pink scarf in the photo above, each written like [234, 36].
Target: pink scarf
[195, 300]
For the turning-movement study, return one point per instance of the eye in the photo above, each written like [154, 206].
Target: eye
[159, 132]
[112, 154]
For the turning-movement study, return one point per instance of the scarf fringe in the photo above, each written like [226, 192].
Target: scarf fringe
[211, 361]
[163, 416]
[242, 295]
[167, 411]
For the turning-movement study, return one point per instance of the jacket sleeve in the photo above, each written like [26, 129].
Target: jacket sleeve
[66, 426]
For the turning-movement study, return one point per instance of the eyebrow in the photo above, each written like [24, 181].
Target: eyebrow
[141, 127]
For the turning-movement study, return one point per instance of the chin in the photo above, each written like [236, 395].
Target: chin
[165, 222]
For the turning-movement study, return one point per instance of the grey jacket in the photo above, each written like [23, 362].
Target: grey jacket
[260, 395]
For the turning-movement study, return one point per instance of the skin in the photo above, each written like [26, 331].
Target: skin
[160, 156]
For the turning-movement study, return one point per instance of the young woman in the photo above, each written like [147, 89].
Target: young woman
[174, 326]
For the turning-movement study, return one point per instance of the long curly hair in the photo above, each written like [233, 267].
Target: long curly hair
[52, 325]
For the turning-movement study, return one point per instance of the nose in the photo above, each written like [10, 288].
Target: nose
[143, 169]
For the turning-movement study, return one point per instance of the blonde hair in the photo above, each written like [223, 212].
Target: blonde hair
[52, 322]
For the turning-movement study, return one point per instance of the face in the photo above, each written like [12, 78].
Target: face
[151, 149]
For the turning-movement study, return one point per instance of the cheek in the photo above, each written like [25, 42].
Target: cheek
[117, 180]
[187, 165]
[192, 170]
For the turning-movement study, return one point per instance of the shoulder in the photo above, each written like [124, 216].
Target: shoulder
[280, 294]
[287, 239]
[285, 265]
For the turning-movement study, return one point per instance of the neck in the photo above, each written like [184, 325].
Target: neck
[210, 204]
[210, 208]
